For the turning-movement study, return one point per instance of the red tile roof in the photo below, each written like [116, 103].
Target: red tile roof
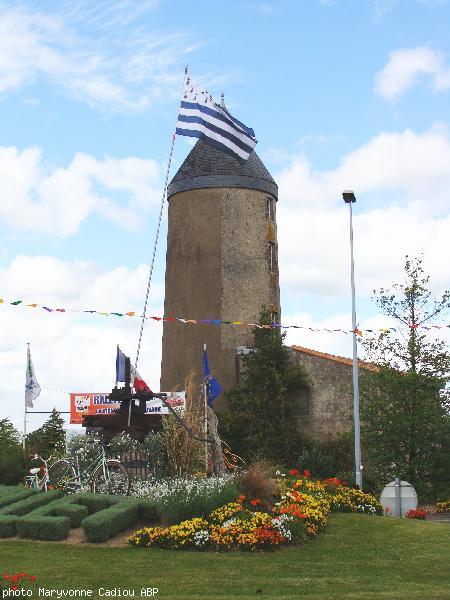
[339, 359]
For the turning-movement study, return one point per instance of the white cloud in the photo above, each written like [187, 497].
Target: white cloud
[409, 66]
[56, 201]
[402, 185]
[71, 352]
[416, 165]
[117, 65]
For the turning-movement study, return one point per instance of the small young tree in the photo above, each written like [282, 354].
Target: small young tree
[405, 403]
[48, 438]
[262, 412]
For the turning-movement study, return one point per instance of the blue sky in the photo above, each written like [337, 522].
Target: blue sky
[341, 94]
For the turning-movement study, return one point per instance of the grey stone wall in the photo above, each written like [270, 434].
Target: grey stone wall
[330, 397]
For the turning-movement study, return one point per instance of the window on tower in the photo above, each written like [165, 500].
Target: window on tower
[269, 208]
[271, 256]
[274, 317]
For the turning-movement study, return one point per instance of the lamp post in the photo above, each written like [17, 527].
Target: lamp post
[349, 198]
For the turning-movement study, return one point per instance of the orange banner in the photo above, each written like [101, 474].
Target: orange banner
[90, 403]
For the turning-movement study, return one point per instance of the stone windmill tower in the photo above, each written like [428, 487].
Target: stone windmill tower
[221, 261]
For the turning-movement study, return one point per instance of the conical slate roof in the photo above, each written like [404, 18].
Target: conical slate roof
[208, 167]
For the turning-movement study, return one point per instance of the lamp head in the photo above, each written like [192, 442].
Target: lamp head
[349, 196]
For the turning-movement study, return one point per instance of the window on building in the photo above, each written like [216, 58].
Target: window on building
[269, 208]
[304, 402]
[274, 317]
[272, 257]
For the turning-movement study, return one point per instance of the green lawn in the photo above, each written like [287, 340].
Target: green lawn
[359, 557]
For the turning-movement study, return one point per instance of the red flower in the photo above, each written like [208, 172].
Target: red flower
[255, 502]
[32, 577]
[14, 587]
[241, 498]
[306, 473]
[294, 473]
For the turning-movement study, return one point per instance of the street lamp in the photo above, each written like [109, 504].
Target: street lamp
[349, 198]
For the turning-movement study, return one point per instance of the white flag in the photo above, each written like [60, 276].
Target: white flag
[32, 388]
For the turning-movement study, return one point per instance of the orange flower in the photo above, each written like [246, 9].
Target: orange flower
[241, 498]
[255, 502]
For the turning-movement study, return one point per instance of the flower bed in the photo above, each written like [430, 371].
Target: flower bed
[443, 506]
[183, 498]
[15, 583]
[301, 510]
[417, 513]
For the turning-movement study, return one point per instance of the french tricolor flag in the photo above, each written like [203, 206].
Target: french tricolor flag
[136, 380]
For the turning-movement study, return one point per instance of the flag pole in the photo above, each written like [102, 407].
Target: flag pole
[25, 409]
[205, 398]
[169, 162]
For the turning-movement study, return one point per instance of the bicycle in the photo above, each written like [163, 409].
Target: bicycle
[38, 478]
[105, 475]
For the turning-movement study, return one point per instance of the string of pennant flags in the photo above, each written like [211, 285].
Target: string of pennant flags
[167, 319]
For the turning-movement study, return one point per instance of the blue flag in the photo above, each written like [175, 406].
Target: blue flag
[120, 365]
[213, 388]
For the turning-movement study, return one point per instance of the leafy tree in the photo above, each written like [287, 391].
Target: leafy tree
[9, 436]
[405, 402]
[262, 412]
[12, 466]
[48, 438]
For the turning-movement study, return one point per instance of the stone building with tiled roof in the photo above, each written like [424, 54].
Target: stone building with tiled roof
[326, 404]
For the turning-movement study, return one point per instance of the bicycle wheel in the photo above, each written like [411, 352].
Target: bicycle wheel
[111, 478]
[62, 476]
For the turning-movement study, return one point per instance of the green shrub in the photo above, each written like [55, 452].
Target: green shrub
[12, 465]
[103, 525]
[97, 502]
[64, 507]
[8, 525]
[26, 506]
[43, 528]
[148, 510]
[9, 494]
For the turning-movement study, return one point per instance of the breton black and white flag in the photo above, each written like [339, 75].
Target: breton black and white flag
[201, 117]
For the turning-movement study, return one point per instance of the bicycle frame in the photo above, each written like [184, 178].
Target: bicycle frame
[35, 481]
[87, 472]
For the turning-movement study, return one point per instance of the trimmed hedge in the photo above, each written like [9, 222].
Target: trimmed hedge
[8, 525]
[69, 506]
[97, 502]
[11, 494]
[54, 520]
[25, 506]
[148, 511]
[103, 525]
[43, 528]
[50, 516]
